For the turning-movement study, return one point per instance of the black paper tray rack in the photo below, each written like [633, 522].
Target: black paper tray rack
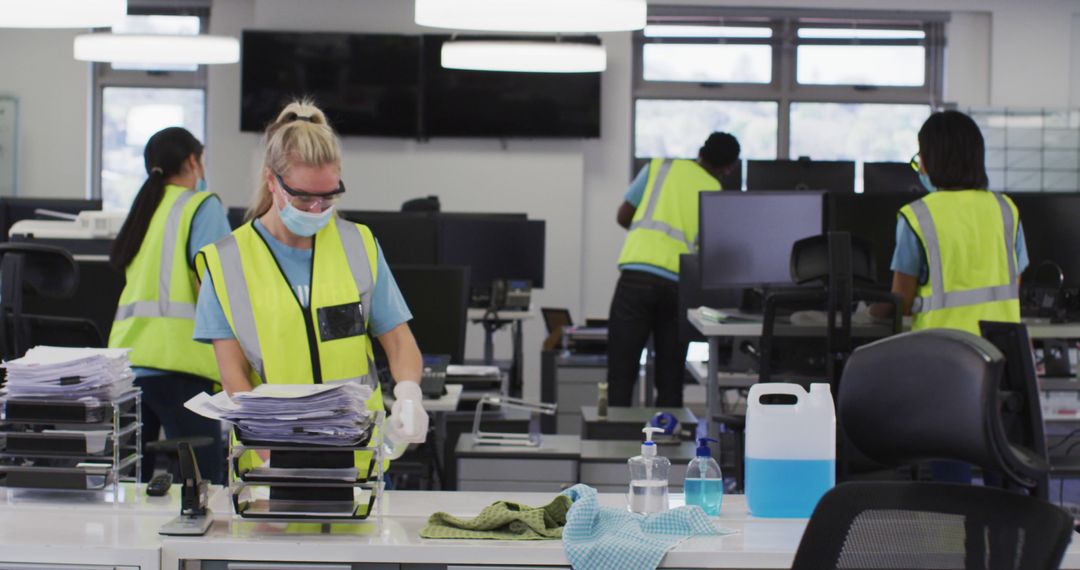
[56, 411]
[309, 511]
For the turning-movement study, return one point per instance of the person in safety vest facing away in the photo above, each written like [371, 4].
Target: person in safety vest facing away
[959, 250]
[661, 212]
[171, 219]
[295, 295]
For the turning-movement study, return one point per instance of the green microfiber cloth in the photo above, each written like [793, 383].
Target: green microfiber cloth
[504, 520]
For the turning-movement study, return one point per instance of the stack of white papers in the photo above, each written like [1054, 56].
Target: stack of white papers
[319, 414]
[459, 370]
[69, 373]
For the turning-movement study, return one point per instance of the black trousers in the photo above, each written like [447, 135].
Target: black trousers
[163, 400]
[645, 304]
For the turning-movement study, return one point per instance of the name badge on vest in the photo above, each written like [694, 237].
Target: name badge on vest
[341, 321]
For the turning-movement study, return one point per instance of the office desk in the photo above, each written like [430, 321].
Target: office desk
[713, 331]
[514, 318]
[758, 543]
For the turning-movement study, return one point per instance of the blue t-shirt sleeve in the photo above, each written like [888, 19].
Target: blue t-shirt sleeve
[388, 308]
[636, 191]
[209, 225]
[1022, 260]
[210, 321]
[908, 257]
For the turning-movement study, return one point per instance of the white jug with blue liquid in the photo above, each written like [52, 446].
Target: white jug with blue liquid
[790, 449]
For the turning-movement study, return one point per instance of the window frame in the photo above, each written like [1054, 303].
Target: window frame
[103, 75]
[784, 88]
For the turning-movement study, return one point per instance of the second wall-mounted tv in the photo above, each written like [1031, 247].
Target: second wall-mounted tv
[395, 86]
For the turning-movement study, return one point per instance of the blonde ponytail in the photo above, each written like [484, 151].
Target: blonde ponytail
[299, 135]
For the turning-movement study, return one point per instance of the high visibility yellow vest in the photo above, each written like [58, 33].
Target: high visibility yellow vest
[156, 314]
[969, 238]
[665, 224]
[283, 341]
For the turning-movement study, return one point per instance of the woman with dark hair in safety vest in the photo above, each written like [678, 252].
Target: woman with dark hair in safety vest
[295, 295]
[171, 219]
[960, 249]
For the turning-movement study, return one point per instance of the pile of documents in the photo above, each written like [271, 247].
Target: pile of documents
[69, 373]
[323, 414]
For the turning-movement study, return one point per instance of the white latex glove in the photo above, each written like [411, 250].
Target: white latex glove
[409, 424]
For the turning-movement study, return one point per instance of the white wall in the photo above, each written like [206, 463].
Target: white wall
[54, 97]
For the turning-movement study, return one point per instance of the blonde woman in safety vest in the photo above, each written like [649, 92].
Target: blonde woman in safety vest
[295, 295]
[661, 211]
[960, 249]
[171, 219]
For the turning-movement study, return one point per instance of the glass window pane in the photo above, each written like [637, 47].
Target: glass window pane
[861, 34]
[676, 129]
[714, 63]
[862, 65]
[130, 115]
[669, 31]
[860, 132]
[155, 25]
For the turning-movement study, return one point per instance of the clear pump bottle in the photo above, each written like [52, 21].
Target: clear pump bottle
[704, 483]
[648, 477]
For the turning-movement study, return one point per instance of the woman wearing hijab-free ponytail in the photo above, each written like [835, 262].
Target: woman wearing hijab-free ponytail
[171, 219]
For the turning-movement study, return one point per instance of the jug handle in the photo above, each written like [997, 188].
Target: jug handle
[780, 388]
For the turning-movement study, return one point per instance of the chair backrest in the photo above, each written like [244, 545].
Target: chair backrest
[914, 526]
[931, 394]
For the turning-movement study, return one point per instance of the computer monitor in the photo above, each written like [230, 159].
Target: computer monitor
[1051, 232]
[746, 237]
[831, 176]
[871, 217]
[437, 298]
[16, 209]
[891, 178]
[493, 248]
[406, 238]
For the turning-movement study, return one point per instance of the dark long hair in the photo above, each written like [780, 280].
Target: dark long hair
[952, 151]
[164, 157]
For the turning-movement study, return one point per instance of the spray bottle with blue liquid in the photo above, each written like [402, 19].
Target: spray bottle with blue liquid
[704, 484]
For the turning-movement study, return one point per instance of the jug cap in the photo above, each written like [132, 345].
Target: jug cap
[703, 446]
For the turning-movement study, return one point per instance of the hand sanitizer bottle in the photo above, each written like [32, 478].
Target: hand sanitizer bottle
[648, 477]
[704, 484]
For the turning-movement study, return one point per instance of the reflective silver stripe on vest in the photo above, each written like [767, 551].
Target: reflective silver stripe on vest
[164, 307]
[648, 223]
[359, 263]
[939, 299]
[243, 315]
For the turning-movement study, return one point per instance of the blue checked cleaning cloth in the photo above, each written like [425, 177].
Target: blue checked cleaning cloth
[603, 538]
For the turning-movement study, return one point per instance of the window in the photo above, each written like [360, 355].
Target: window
[829, 85]
[133, 102]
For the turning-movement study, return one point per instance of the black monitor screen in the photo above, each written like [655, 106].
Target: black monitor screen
[871, 217]
[459, 103]
[1051, 232]
[367, 84]
[890, 178]
[494, 248]
[836, 176]
[437, 299]
[405, 237]
[746, 237]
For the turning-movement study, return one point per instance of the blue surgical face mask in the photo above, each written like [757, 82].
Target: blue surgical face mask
[925, 179]
[200, 185]
[304, 224]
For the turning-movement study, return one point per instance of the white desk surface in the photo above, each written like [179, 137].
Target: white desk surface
[1036, 328]
[759, 543]
[126, 534]
[475, 314]
[700, 372]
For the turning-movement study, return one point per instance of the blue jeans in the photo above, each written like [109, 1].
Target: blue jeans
[163, 400]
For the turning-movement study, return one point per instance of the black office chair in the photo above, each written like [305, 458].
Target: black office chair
[912, 526]
[934, 394]
[32, 270]
[425, 204]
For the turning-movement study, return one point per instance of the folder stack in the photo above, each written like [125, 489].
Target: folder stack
[69, 373]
